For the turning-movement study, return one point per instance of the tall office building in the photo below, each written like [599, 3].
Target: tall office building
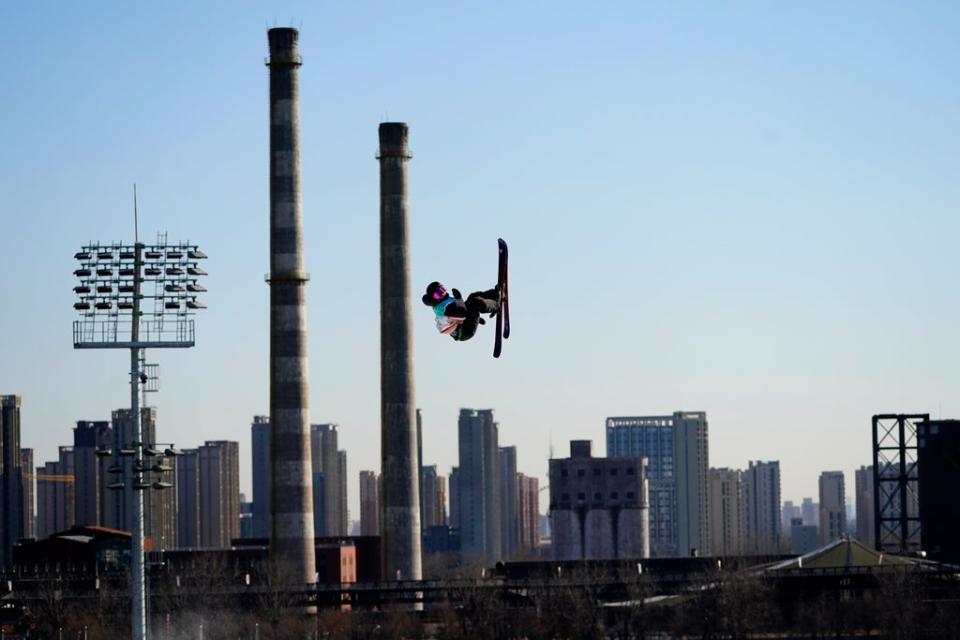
[810, 512]
[328, 516]
[188, 499]
[11, 491]
[478, 492]
[92, 496]
[676, 449]
[260, 460]
[434, 503]
[219, 493]
[761, 493]
[27, 510]
[369, 503]
[454, 485]
[509, 507]
[528, 506]
[598, 506]
[159, 506]
[55, 494]
[728, 516]
[863, 480]
[833, 506]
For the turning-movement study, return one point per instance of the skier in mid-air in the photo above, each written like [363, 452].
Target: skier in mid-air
[456, 317]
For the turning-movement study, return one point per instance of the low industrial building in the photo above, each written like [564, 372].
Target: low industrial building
[598, 506]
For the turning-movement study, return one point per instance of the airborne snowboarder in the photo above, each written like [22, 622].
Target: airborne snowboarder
[456, 317]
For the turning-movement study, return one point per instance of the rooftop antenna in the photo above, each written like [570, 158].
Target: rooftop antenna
[136, 223]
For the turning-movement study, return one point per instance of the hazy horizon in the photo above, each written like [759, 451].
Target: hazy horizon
[748, 210]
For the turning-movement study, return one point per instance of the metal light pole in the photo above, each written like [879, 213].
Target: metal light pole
[115, 281]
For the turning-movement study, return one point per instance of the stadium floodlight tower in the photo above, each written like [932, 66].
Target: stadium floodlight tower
[137, 296]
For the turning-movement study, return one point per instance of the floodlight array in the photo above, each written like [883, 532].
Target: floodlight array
[167, 276]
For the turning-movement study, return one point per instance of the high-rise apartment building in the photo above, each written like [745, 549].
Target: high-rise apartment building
[528, 505]
[188, 499]
[434, 504]
[344, 524]
[788, 512]
[863, 481]
[93, 500]
[728, 516]
[598, 506]
[260, 461]
[478, 492]
[11, 478]
[761, 493]
[509, 507]
[55, 494]
[833, 506]
[27, 510]
[676, 448]
[219, 493]
[803, 537]
[329, 500]
[810, 512]
[369, 503]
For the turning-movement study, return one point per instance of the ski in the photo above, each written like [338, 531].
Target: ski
[503, 315]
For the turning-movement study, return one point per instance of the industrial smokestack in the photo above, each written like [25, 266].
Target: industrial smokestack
[291, 495]
[400, 497]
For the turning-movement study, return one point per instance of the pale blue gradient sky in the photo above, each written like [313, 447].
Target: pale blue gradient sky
[743, 208]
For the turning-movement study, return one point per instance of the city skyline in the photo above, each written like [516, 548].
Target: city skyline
[784, 169]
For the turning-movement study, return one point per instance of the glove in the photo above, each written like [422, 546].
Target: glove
[456, 294]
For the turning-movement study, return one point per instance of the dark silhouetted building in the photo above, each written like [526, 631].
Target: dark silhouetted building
[938, 459]
[188, 499]
[28, 511]
[11, 491]
[92, 477]
[260, 460]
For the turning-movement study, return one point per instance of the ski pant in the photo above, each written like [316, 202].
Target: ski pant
[476, 303]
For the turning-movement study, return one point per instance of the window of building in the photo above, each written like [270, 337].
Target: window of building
[613, 472]
[581, 473]
[581, 496]
[565, 497]
[614, 495]
[563, 472]
[630, 495]
[596, 472]
[629, 471]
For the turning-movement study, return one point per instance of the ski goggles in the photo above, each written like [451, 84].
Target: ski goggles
[439, 293]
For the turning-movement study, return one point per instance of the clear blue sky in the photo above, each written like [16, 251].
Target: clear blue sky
[743, 208]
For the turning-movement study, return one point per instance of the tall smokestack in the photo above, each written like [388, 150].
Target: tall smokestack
[400, 499]
[291, 495]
